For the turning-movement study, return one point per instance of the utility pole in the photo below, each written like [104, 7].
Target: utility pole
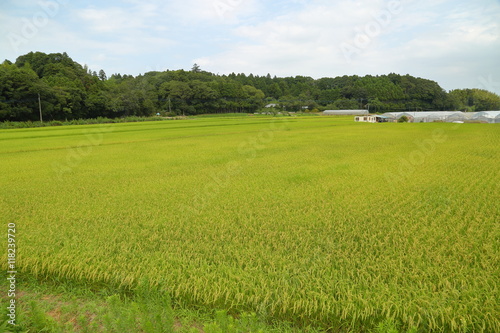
[40, 107]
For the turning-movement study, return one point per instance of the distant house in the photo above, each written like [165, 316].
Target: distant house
[345, 112]
[371, 119]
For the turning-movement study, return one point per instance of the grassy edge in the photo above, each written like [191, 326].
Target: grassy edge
[6, 125]
[49, 306]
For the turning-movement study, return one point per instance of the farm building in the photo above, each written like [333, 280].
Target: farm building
[371, 119]
[345, 112]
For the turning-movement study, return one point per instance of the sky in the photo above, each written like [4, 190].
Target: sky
[453, 42]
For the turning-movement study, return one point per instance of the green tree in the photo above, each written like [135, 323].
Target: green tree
[204, 97]
[474, 100]
[69, 90]
[196, 68]
[178, 94]
[254, 98]
[102, 75]
[19, 89]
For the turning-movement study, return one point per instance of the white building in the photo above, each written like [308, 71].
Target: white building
[371, 119]
[345, 112]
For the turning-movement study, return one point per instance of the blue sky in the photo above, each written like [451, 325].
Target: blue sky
[454, 42]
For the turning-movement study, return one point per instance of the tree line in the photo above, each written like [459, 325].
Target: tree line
[68, 90]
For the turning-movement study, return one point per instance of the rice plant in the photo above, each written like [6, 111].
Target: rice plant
[316, 221]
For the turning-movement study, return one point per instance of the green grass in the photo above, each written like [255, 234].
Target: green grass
[52, 307]
[316, 221]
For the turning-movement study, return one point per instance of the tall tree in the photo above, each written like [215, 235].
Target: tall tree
[102, 75]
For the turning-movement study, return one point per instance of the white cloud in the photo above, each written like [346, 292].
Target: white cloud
[441, 40]
[302, 42]
[110, 20]
[196, 12]
[118, 19]
[453, 42]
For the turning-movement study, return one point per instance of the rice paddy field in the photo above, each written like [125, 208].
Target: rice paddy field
[311, 220]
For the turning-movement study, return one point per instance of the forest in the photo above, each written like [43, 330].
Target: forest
[65, 90]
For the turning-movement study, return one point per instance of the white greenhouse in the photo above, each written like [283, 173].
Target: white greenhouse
[491, 117]
[442, 116]
[345, 112]
[437, 116]
[457, 117]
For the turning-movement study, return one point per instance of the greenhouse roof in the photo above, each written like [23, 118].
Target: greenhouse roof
[487, 114]
[423, 114]
[346, 112]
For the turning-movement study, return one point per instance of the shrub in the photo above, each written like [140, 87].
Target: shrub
[403, 119]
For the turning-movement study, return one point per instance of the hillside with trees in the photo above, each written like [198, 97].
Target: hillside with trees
[68, 90]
